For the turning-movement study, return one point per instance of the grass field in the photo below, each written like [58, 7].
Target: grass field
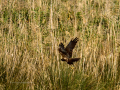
[30, 33]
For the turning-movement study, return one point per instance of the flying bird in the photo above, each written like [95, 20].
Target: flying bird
[67, 52]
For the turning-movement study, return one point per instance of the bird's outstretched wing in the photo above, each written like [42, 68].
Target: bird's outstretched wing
[71, 60]
[69, 48]
[62, 49]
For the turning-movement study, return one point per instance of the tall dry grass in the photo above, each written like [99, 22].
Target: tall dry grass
[31, 30]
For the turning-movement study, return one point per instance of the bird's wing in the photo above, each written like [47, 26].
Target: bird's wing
[69, 48]
[62, 49]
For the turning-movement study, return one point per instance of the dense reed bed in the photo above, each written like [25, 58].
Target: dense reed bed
[31, 30]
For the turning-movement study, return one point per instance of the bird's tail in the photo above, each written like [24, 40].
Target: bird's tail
[71, 60]
[74, 59]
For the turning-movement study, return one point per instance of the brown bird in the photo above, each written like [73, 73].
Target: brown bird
[67, 52]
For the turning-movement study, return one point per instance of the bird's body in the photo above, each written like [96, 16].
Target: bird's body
[67, 52]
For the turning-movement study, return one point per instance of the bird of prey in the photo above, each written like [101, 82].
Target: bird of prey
[67, 52]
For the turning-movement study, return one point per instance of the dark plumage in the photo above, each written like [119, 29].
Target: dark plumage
[67, 52]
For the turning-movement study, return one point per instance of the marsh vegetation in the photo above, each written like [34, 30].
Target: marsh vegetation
[31, 31]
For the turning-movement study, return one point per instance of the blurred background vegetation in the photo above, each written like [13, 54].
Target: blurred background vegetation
[31, 30]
